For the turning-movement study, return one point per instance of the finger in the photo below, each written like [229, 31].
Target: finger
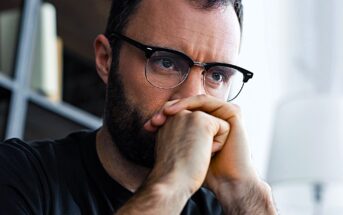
[155, 122]
[149, 127]
[158, 119]
[208, 104]
[220, 134]
[216, 147]
[236, 152]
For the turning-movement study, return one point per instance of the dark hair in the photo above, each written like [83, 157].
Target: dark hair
[122, 10]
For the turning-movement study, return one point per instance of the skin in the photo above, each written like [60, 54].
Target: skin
[200, 139]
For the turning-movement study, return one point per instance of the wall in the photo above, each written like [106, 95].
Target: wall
[295, 49]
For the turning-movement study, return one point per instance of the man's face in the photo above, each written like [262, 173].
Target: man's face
[205, 35]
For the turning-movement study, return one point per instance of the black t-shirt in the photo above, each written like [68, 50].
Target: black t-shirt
[66, 177]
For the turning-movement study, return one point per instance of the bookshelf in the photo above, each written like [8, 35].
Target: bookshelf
[28, 114]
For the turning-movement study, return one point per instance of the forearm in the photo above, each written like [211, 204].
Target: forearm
[246, 198]
[155, 199]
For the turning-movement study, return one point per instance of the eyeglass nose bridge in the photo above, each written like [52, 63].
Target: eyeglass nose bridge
[200, 64]
[204, 69]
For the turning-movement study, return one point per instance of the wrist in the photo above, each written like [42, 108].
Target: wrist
[246, 197]
[168, 192]
[234, 189]
[237, 184]
[171, 178]
[155, 198]
[168, 187]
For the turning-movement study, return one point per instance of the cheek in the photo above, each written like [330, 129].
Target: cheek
[140, 93]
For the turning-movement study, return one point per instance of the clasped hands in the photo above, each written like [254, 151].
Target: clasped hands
[201, 141]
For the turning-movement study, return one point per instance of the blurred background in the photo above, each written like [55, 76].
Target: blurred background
[293, 107]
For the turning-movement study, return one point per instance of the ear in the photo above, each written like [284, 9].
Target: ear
[103, 57]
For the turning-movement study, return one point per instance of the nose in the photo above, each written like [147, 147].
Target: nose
[192, 86]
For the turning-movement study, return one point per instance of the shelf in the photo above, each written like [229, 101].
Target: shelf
[27, 114]
[65, 110]
[41, 123]
[5, 82]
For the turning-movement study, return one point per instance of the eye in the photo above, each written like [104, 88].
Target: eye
[216, 77]
[166, 63]
[219, 76]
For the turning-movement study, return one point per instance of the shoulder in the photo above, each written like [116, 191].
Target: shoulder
[16, 154]
[17, 149]
[20, 159]
[34, 171]
[21, 175]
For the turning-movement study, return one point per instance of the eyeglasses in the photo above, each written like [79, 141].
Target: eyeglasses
[167, 69]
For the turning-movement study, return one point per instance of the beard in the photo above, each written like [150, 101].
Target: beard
[125, 123]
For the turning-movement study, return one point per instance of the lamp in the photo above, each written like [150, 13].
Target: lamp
[307, 146]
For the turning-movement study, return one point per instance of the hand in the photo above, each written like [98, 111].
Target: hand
[183, 148]
[231, 175]
[232, 164]
[183, 152]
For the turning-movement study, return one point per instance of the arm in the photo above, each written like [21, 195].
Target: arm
[231, 175]
[234, 180]
[155, 199]
[246, 198]
[183, 155]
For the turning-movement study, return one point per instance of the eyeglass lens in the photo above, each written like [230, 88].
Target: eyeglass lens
[167, 70]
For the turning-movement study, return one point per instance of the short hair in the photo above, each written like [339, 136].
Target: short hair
[122, 10]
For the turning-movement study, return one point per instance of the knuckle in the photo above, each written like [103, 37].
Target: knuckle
[198, 116]
[203, 120]
[236, 107]
[202, 97]
[237, 111]
[225, 125]
[180, 114]
[266, 186]
[196, 119]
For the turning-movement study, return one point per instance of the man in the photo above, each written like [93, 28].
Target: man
[170, 143]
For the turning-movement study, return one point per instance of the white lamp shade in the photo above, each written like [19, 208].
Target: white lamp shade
[308, 142]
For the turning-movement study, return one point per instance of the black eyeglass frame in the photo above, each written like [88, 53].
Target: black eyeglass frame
[150, 50]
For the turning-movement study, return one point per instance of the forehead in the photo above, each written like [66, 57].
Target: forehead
[204, 34]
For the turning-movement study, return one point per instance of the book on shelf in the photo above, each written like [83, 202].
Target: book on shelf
[9, 22]
[47, 63]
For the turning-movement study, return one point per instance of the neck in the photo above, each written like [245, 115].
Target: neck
[126, 173]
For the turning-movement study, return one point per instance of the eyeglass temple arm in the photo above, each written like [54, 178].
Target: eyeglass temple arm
[130, 41]
[247, 76]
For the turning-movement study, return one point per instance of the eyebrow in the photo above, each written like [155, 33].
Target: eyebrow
[144, 46]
